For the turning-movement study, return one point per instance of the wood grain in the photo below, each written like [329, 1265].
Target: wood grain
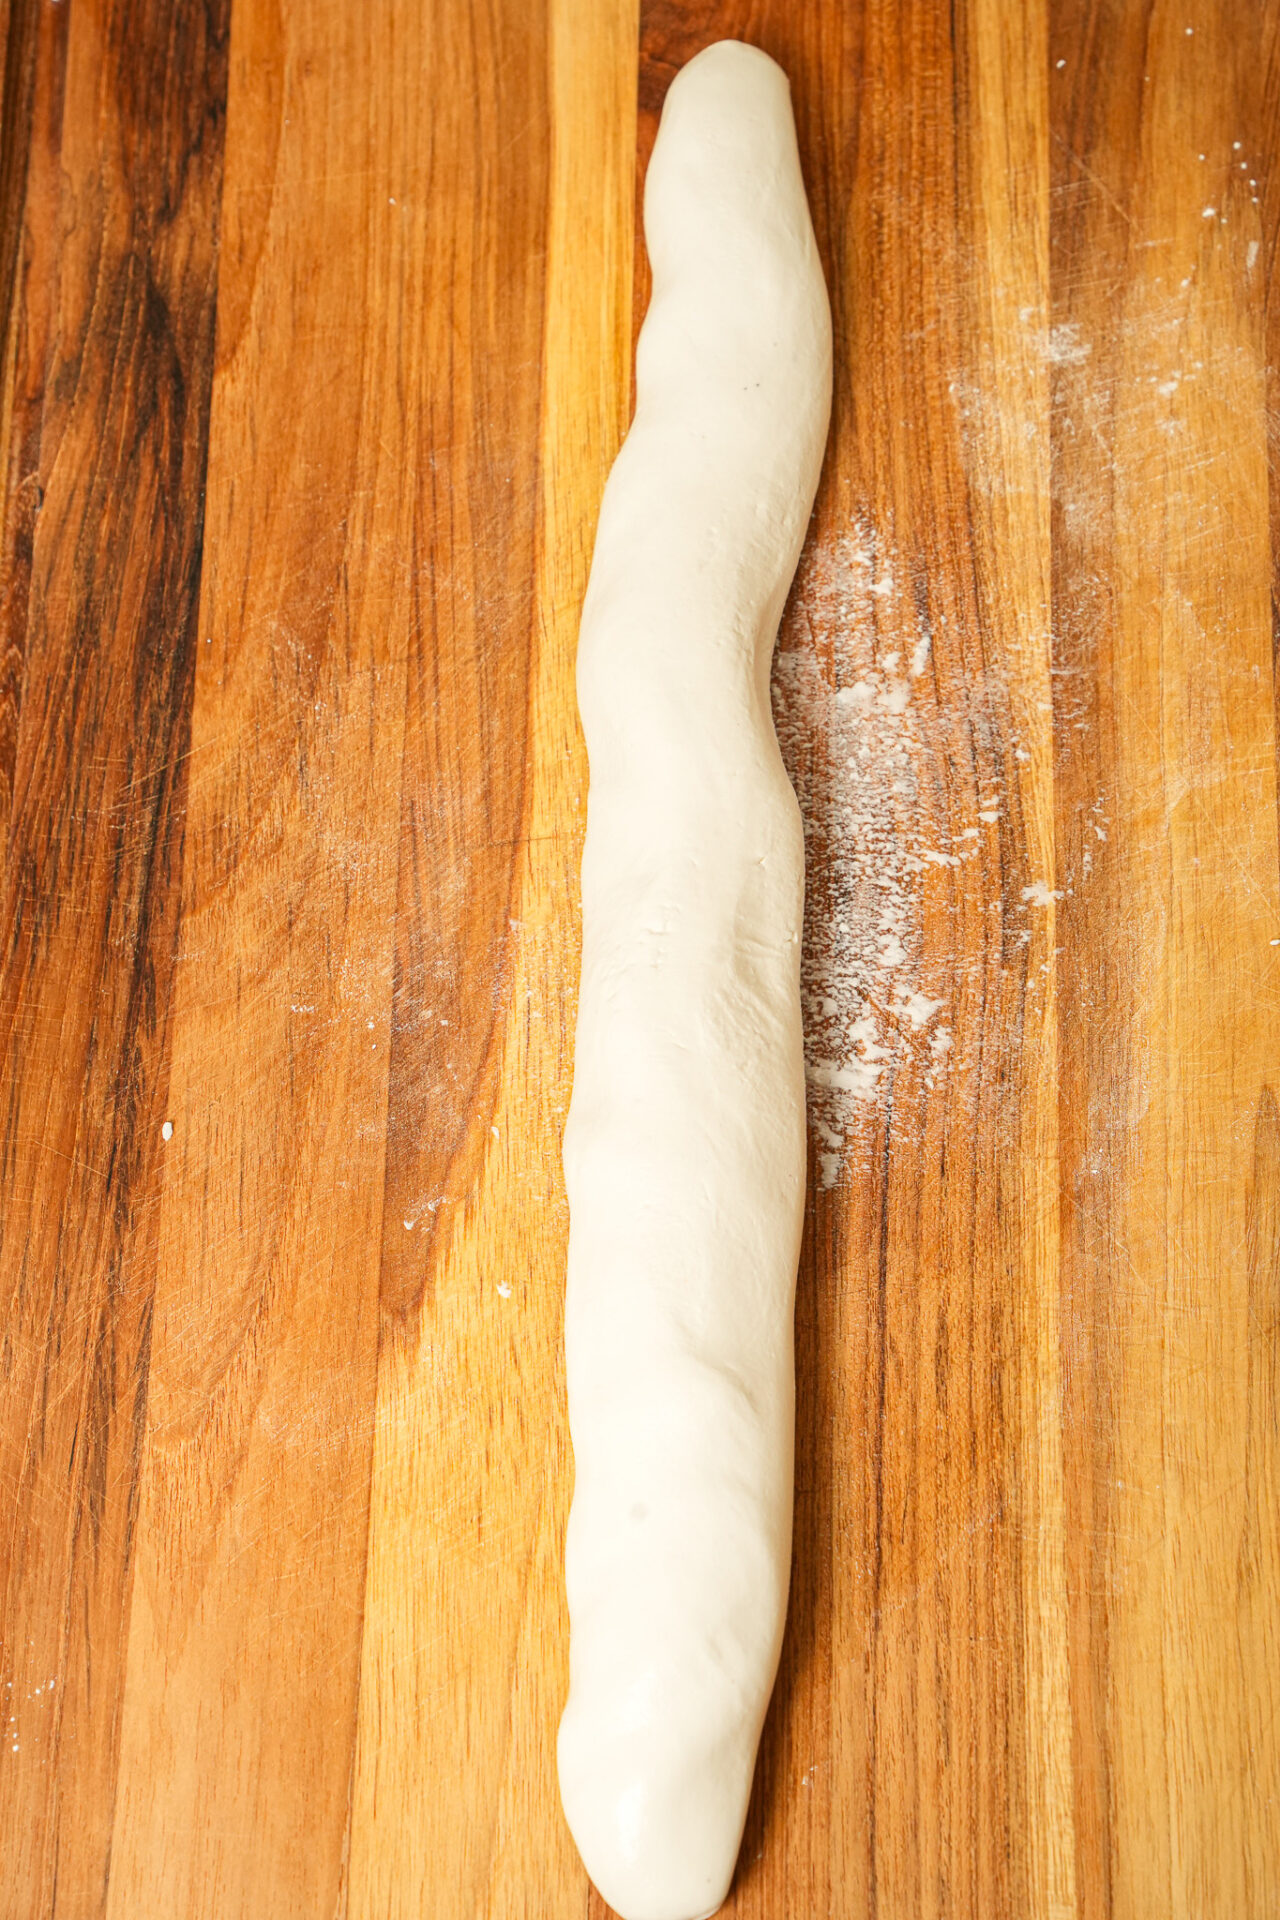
[1167, 807]
[315, 333]
[245, 1633]
[112, 230]
[470, 1484]
[918, 1755]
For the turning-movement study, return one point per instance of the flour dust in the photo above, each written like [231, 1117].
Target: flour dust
[853, 750]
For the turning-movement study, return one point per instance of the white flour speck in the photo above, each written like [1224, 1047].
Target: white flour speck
[166, 1131]
[920, 654]
[1063, 346]
[918, 1008]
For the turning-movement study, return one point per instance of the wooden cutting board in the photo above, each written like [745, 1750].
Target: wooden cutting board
[316, 332]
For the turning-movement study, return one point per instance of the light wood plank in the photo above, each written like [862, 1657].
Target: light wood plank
[464, 1661]
[1007, 444]
[1166, 772]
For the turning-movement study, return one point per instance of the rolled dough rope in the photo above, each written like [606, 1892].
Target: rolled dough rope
[685, 1147]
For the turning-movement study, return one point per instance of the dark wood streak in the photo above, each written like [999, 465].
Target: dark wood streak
[30, 126]
[1267, 108]
[18, 36]
[101, 572]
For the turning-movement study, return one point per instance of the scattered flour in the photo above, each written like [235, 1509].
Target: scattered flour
[850, 729]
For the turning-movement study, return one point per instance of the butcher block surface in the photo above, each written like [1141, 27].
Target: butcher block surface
[315, 337]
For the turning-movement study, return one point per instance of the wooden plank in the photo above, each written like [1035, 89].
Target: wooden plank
[239, 1713]
[916, 1759]
[464, 1658]
[108, 224]
[311, 1621]
[1169, 1062]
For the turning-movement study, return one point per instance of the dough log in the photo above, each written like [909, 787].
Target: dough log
[685, 1147]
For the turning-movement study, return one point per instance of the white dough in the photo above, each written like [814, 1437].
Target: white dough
[685, 1147]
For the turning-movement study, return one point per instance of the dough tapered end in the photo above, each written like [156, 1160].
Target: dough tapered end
[658, 1832]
